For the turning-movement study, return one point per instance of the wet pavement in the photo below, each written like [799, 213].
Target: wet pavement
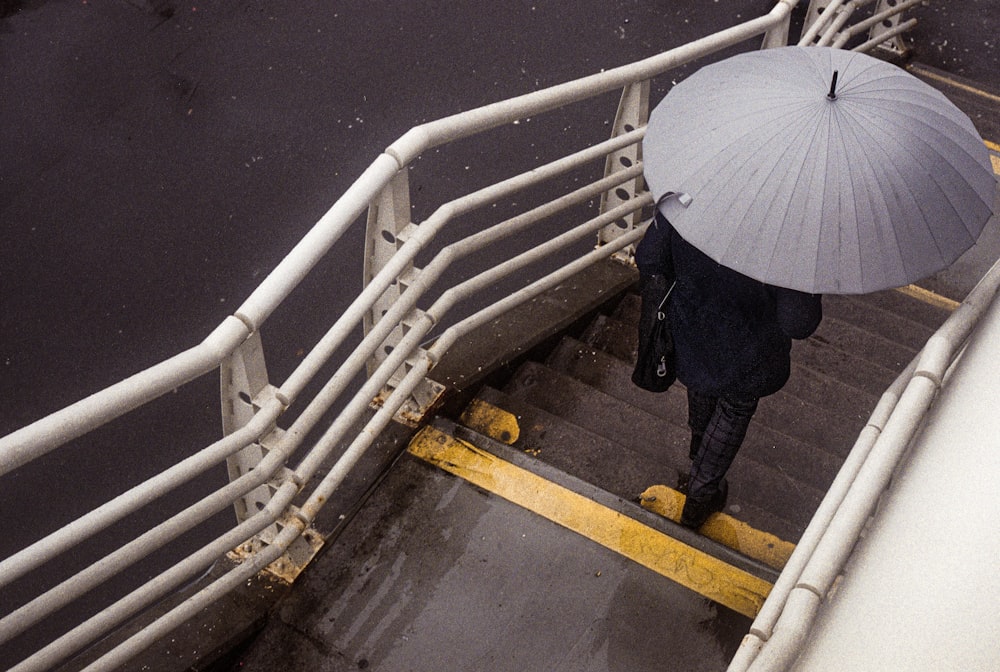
[436, 574]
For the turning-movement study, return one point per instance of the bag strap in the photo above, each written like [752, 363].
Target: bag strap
[665, 297]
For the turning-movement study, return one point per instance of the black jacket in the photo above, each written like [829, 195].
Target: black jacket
[732, 334]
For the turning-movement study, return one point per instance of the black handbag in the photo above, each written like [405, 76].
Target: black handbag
[656, 365]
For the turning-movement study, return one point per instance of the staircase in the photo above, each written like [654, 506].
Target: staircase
[577, 411]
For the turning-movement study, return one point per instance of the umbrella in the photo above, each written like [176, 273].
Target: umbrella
[818, 169]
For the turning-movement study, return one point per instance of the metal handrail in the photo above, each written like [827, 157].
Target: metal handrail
[780, 628]
[77, 419]
[826, 27]
[40, 437]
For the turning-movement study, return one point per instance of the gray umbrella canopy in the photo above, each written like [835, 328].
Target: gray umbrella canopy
[876, 185]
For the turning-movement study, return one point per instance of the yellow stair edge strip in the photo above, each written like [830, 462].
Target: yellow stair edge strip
[491, 421]
[501, 425]
[927, 296]
[683, 564]
[721, 527]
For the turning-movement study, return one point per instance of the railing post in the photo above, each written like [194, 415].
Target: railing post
[386, 231]
[778, 35]
[889, 28]
[633, 113]
[244, 390]
[243, 382]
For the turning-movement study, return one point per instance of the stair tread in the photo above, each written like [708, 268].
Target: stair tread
[895, 317]
[783, 412]
[779, 487]
[613, 466]
[867, 362]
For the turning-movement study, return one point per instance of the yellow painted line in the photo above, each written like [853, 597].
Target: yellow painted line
[994, 159]
[687, 566]
[958, 85]
[723, 528]
[927, 296]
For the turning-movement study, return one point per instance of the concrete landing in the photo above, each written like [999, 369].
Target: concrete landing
[437, 574]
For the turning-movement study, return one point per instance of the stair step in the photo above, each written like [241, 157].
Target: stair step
[782, 412]
[628, 309]
[779, 487]
[618, 339]
[870, 378]
[574, 449]
[887, 354]
[610, 465]
[765, 443]
[904, 306]
[891, 315]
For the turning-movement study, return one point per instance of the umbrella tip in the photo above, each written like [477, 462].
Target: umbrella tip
[833, 87]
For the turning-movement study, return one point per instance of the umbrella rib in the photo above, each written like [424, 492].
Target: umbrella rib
[919, 140]
[786, 222]
[780, 128]
[876, 143]
[864, 161]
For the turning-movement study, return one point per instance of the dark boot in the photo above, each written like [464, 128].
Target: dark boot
[697, 511]
[695, 444]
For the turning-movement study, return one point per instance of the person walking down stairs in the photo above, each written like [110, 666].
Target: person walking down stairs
[732, 337]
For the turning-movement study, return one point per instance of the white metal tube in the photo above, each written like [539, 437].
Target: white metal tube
[887, 35]
[838, 22]
[427, 136]
[59, 596]
[103, 622]
[100, 518]
[862, 26]
[821, 20]
[52, 431]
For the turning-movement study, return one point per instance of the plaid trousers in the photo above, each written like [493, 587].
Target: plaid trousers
[721, 423]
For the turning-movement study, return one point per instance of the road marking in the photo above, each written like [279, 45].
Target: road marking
[958, 85]
[687, 566]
